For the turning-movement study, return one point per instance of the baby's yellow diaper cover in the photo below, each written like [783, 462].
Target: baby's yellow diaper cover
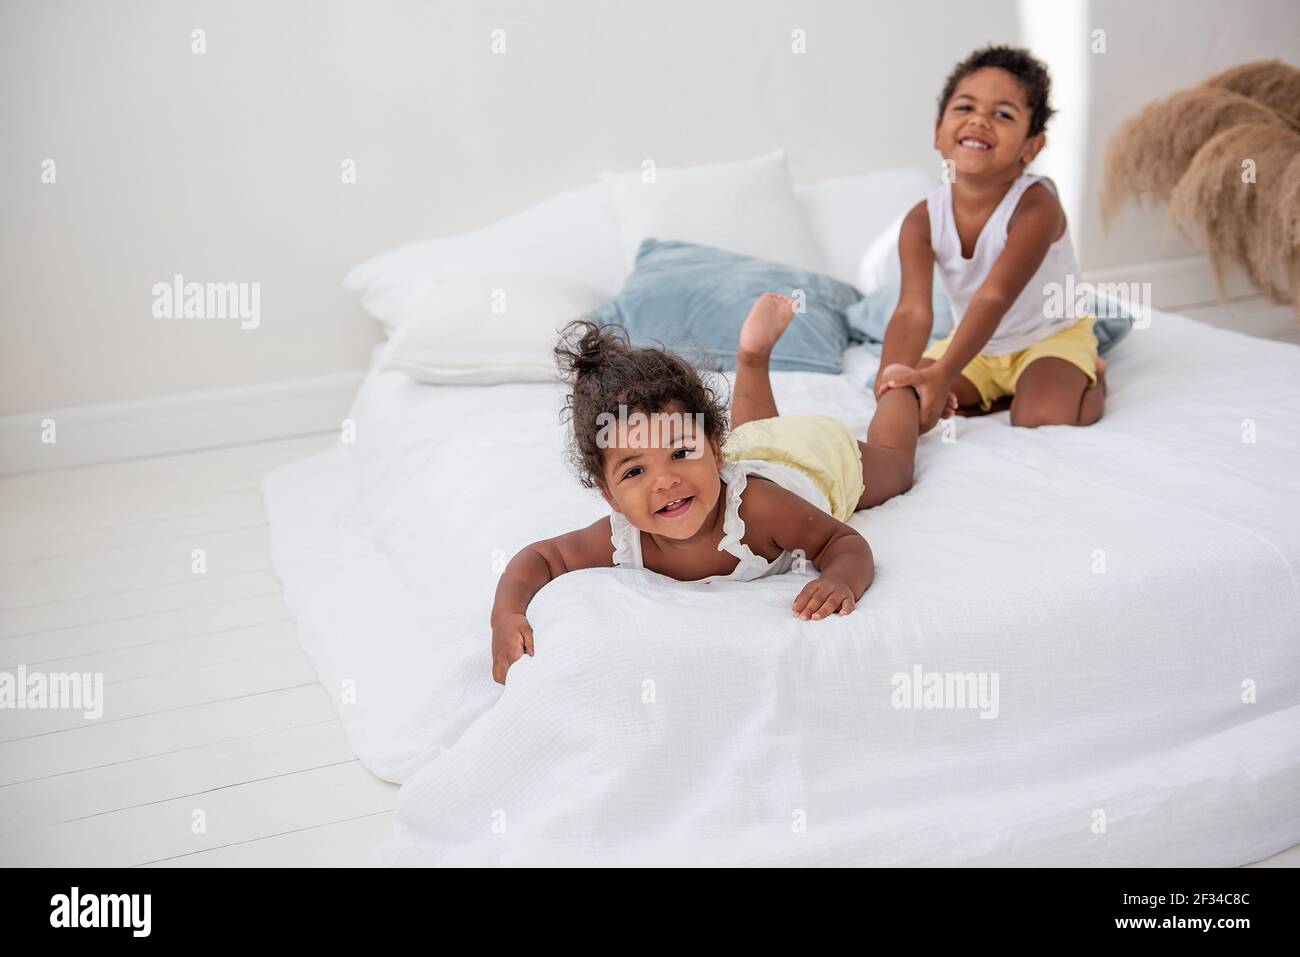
[819, 446]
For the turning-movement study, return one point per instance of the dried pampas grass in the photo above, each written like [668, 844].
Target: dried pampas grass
[1225, 156]
[1270, 82]
[1233, 198]
[1150, 151]
[1289, 223]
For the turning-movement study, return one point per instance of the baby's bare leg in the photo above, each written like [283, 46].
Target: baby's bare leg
[889, 454]
[752, 397]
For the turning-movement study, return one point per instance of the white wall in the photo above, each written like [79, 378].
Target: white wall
[225, 166]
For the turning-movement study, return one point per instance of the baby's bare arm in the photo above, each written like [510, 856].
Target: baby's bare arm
[836, 550]
[537, 564]
[527, 573]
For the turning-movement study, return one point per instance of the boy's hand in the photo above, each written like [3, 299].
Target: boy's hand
[512, 638]
[932, 386]
[822, 598]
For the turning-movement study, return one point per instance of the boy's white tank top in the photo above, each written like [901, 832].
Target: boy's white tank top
[1025, 321]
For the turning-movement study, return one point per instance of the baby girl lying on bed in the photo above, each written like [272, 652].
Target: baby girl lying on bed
[695, 504]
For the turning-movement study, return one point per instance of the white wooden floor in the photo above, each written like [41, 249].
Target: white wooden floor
[1253, 315]
[210, 703]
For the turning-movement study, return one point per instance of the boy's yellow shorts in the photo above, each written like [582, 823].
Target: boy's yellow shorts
[996, 376]
[819, 446]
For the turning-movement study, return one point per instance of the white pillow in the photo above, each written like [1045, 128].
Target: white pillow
[571, 237]
[575, 237]
[847, 213]
[747, 207]
[880, 263]
[486, 328]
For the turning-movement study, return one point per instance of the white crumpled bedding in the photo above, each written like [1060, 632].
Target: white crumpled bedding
[1133, 588]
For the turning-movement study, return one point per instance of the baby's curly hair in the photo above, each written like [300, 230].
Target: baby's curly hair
[1020, 63]
[604, 370]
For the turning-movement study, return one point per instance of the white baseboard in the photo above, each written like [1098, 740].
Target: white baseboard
[1178, 283]
[118, 431]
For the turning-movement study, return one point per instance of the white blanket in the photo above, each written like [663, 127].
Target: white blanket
[1133, 588]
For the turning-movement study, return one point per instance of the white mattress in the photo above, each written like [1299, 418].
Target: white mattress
[663, 722]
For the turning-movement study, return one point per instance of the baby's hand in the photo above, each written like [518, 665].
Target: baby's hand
[821, 598]
[512, 638]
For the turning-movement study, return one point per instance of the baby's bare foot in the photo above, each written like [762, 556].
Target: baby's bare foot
[764, 325]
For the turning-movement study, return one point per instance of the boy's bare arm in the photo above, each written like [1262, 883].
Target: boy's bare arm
[909, 327]
[837, 551]
[1035, 225]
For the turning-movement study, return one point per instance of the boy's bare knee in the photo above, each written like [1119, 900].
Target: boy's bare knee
[1032, 418]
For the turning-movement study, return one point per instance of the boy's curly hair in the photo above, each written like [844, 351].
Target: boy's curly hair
[1020, 63]
[604, 370]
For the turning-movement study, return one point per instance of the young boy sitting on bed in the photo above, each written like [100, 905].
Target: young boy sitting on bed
[1000, 239]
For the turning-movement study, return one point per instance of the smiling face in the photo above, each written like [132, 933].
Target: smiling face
[984, 129]
[667, 460]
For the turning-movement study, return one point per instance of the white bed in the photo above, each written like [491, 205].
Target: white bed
[1130, 584]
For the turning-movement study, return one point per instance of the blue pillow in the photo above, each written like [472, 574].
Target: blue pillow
[693, 300]
[869, 317]
[1113, 321]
